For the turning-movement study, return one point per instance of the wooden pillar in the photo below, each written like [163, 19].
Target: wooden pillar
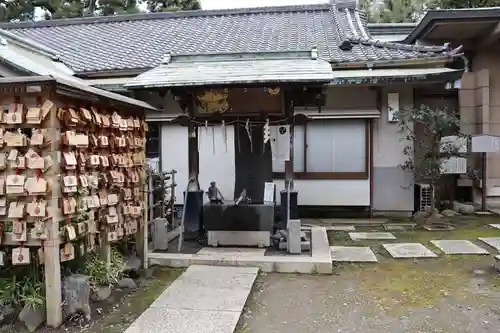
[289, 170]
[370, 125]
[53, 298]
[192, 143]
[141, 237]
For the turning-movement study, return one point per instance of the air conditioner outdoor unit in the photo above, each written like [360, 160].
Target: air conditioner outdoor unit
[423, 196]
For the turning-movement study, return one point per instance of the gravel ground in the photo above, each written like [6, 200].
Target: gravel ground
[436, 295]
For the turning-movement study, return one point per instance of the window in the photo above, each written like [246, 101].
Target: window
[331, 149]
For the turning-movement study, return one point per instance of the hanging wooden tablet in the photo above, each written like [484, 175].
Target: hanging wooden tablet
[19, 233]
[21, 256]
[70, 232]
[68, 252]
[15, 184]
[34, 161]
[36, 137]
[16, 210]
[3, 206]
[81, 227]
[39, 231]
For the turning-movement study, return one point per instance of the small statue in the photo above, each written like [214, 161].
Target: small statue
[214, 194]
[243, 198]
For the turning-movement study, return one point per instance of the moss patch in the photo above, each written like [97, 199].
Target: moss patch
[136, 304]
[398, 286]
[252, 305]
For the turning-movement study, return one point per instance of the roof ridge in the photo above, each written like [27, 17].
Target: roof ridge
[30, 44]
[165, 15]
[400, 46]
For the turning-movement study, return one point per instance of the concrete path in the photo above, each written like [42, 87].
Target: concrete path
[204, 299]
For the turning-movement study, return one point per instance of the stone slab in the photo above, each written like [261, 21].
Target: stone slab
[352, 254]
[483, 213]
[443, 227]
[394, 227]
[371, 235]
[186, 295]
[341, 228]
[409, 250]
[163, 320]
[240, 252]
[218, 277]
[356, 222]
[494, 242]
[496, 262]
[208, 288]
[458, 247]
[496, 226]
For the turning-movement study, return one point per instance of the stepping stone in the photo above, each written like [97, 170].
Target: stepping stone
[394, 227]
[496, 226]
[439, 227]
[352, 254]
[492, 241]
[228, 251]
[497, 263]
[341, 228]
[409, 250]
[458, 247]
[371, 235]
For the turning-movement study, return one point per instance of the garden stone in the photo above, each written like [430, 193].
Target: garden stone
[7, 315]
[150, 272]
[420, 215]
[154, 262]
[32, 318]
[463, 208]
[132, 264]
[76, 295]
[448, 213]
[127, 283]
[100, 293]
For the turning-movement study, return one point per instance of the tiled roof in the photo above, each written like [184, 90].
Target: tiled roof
[140, 41]
[236, 68]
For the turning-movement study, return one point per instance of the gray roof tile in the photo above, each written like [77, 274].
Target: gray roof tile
[141, 40]
[236, 68]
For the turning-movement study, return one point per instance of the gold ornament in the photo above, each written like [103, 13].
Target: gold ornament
[273, 91]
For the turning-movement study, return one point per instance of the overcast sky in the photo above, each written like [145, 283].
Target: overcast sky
[219, 4]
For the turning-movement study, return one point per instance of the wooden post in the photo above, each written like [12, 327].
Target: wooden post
[172, 199]
[53, 298]
[141, 239]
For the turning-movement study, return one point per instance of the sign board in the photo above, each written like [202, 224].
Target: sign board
[269, 193]
[485, 143]
[154, 163]
[454, 165]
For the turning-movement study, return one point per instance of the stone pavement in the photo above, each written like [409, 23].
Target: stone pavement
[204, 299]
